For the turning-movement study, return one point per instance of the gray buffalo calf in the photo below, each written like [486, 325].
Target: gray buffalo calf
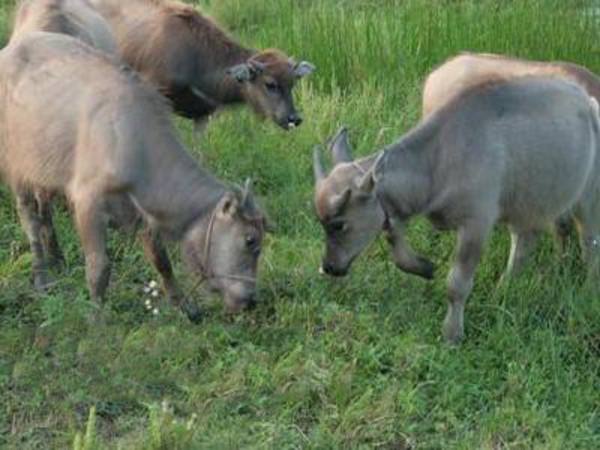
[73, 122]
[521, 152]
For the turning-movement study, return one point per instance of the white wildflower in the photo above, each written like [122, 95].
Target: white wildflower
[190, 422]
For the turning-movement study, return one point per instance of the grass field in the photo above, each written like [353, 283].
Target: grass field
[320, 364]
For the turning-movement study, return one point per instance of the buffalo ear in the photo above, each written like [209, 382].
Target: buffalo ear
[256, 66]
[339, 201]
[228, 205]
[340, 147]
[241, 72]
[367, 183]
[303, 68]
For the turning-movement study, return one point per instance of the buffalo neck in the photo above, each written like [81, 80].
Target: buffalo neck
[219, 85]
[174, 191]
[406, 170]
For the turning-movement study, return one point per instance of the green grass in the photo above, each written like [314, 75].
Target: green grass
[321, 364]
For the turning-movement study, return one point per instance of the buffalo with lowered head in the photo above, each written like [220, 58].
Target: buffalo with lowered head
[530, 132]
[111, 149]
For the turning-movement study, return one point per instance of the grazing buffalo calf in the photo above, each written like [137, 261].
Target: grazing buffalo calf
[77, 18]
[197, 65]
[73, 122]
[521, 152]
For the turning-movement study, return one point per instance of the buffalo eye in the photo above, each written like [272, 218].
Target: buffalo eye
[251, 242]
[336, 227]
[271, 86]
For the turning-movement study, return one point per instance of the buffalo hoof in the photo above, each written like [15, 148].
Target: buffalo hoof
[193, 312]
[98, 317]
[57, 262]
[453, 335]
[427, 268]
[42, 282]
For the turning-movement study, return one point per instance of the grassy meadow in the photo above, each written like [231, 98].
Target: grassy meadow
[320, 364]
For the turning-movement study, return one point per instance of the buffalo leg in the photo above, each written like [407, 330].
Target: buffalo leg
[48, 232]
[563, 227]
[200, 126]
[521, 245]
[588, 220]
[92, 232]
[30, 221]
[404, 256]
[156, 253]
[471, 239]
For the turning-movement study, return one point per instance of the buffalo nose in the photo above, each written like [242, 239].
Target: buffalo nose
[328, 268]
[294, 120]
[331, 270]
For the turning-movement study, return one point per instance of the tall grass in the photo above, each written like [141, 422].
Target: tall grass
[6, 17]
[321, 364]
[386, 43]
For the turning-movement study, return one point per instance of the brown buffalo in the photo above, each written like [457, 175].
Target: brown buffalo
[197, 65]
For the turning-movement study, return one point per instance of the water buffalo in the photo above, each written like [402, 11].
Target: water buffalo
[469, 69]
[74, 122]
[529, 133]
[197, 65]
[77, 18]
